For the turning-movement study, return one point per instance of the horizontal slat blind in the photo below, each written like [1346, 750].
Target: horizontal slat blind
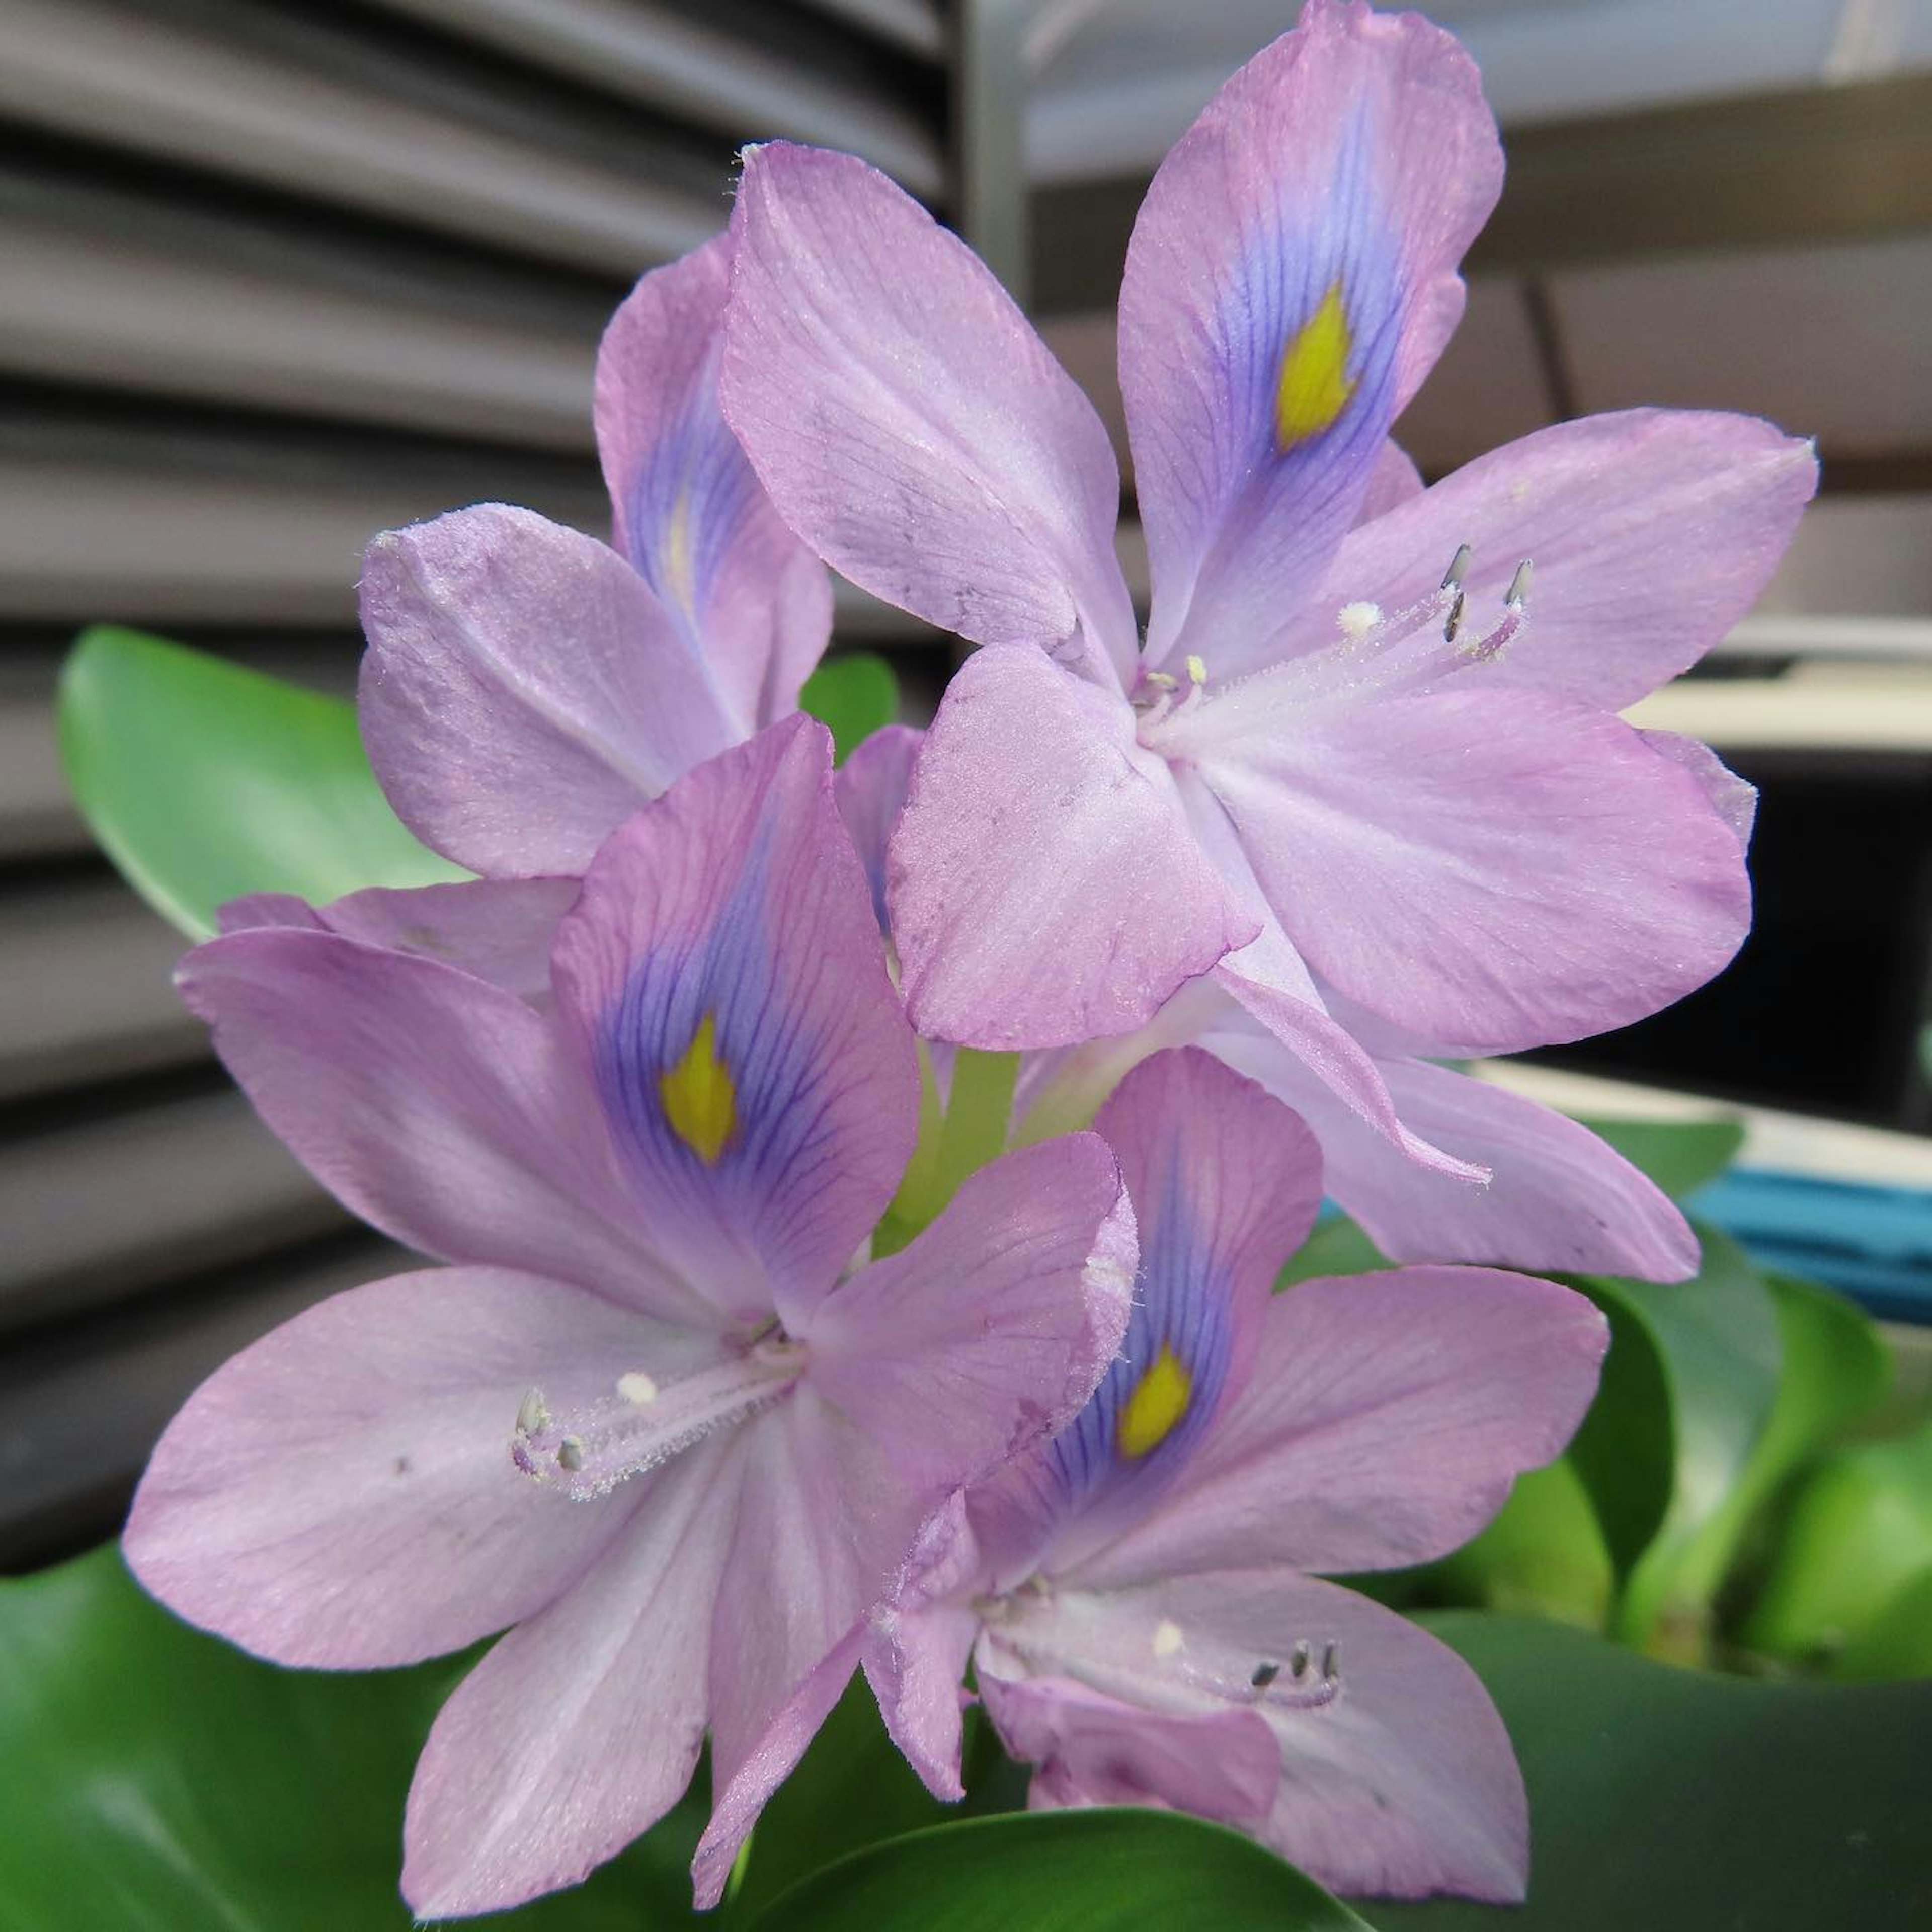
[278, 278]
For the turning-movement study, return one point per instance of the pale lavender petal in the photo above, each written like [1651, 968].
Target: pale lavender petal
[582, 1727]
[751, 604]
[1496, 868]
[1386, 1416]
[1224, 1182]
[433, 1104]
[1291, 276]
[825, 1524]
[1733, 799]
[917, 1646]
[908, 420]
[1559, 1200]
[871, 788]
[724, 981]
[1393, 480]
[991, 1330]
[1652, 532]
[498, 929]
[1088, 1748]
[1044, 886]
[511, 659]
[1394, 1775]
[341, 1494]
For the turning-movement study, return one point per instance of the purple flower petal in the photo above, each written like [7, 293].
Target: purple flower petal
[341, 1494]
[1540, 875]
[907, 420]
[1733, 799]
[1043, 884]
[1393, 482]
[991, 1329]
[503, 646]
[582, 1727]
[1652, 532]
[1291, 277]
[500, 930]
[1385, 1418]
[723, 981]
[1560, 1199]
[434, 1104]
[1394, 1773]
[751, 603]
[870, 787]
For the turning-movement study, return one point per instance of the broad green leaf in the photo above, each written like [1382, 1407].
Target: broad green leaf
[1717, 1339]
[1062, 1871]
[203, 781]
[1859, 1531]
[1680, 1156]
[1664, 1800]
[1623, 1450]
[852, 1789]
[1544, 1555]
[1896, 1643]
[852, 695]
[161, 1780]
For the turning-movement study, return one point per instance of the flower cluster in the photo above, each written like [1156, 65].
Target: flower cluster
[764, 1349]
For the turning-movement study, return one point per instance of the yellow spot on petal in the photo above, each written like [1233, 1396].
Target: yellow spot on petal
[680, 574]
[698, 1098]
[1315, 385]
[1159, 1401]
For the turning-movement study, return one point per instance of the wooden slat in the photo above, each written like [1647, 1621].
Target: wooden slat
[82, 1409]
[98, 1211]
[116, 76]
[747, 89]
[87, 970]
[189, 315]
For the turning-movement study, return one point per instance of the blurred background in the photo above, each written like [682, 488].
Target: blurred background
[275, 277]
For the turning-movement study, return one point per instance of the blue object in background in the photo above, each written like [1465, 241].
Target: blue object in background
[1872, 1243]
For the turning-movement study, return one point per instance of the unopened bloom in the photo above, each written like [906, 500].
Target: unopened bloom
[1366, 767]
[527, 688]
[643, 1419]
[1136, 1597]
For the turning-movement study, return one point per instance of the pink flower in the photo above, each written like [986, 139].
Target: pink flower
[1135, 1597]
[1359, 770]
[525, 688]
[646, 1418]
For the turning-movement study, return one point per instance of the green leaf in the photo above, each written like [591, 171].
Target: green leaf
[852, 1789]
[1859, 1532]
[1678, 1800]
[1716, 1342]
[165, 1781]
[203, 781]
[854, 695]
[1544, 1555]
[1896, 1642]
[1624, 1449]
[1680, 1156]
[1062, 1871]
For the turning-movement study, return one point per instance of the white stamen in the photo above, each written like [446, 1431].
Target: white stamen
[1197, 669]
[1357, 620]
[533, 1414]
[637, 1388]
[1167, 1638]
[1162, 680]
[570, 1454]
[1518, 595]
[1458, 568]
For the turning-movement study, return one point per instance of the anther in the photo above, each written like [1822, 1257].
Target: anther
[570, 1454]
[1452, 623]
[1329, 1671]
[1197, 669]
[1297, 1667]
[1264, 1674]
[533, 1414]
[1167, 1638]
[1518, 590]
[637, 1388]
[1161, 680]
[1458, 568]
